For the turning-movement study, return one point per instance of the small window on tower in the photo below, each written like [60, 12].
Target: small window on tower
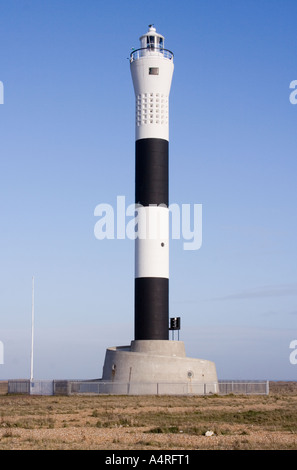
[154, 70]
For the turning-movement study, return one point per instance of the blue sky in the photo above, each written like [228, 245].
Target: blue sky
[67, 145]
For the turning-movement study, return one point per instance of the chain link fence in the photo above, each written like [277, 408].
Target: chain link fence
[98, 387]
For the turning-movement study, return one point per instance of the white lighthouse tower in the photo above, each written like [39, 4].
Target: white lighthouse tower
[151, 70]
[153, 364]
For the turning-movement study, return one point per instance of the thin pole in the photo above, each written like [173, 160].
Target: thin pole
[32, 330]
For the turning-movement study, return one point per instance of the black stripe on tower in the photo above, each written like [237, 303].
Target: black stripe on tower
[151, 307]
[151, 172]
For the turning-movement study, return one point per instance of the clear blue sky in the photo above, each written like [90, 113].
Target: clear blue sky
[67, 145]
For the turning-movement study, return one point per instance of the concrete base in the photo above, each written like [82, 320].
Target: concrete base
[157, 366]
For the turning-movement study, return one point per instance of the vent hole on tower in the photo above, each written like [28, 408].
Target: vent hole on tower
[162, 244]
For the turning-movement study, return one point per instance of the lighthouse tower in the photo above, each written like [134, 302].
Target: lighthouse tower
[153, 364]
[151, 70]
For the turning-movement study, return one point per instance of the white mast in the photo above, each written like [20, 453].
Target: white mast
[32, 330]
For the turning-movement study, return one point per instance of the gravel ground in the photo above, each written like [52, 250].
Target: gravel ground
[115, 439]
[151, 423]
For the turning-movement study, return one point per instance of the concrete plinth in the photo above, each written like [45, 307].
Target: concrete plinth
[157, 366]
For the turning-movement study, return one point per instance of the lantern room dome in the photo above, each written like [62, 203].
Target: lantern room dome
[152, 39]
[151, 43]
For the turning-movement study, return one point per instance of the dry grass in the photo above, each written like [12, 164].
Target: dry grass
[159, 422]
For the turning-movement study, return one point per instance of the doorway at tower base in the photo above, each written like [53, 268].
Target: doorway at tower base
[157, 367]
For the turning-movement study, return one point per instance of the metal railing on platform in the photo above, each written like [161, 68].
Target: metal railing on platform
[144, 51]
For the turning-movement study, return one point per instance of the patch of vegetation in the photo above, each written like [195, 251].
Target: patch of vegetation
[164, 430]
[30, 423]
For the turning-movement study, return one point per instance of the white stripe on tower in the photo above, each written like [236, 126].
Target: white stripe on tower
[152, 70]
